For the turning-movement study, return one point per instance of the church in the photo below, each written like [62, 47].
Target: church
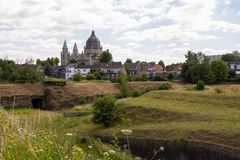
[89, 56]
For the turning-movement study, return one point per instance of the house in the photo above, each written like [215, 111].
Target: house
[151, 70]
[234, 68]
[84, 70]
[70, 71]
[58, 71]
[112, 70]
[177, 71]
[133, 68]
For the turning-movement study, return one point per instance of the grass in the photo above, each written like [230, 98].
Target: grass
[206, 116]
[211, 116]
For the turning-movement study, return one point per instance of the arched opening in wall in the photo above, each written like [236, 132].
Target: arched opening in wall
[37, 103]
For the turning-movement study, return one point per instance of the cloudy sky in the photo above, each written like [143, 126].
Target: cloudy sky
[147, 30]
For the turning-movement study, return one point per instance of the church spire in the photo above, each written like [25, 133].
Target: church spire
[75, 47]
[65, 45]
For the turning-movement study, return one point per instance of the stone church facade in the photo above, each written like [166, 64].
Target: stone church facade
[90, 56]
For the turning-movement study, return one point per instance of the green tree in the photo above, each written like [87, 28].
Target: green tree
[196, 67]
[128, 60]
[47, 69]
[170, 76]
[105, 57]
[104, 110]
[220, 70]
[161, 63]
[77, 77]
[230, 57]
[90, 76]
[73, 61]
[122, 80]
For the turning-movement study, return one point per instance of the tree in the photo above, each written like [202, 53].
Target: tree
[47, 69]
[73, 61]
[128, 60]
[90, 76]
[122, 79]
[152, 63]
[53, 61]
[170, 76]
[161, 63]
[105, 57]
[230, 57]
[104, 110]
[220, 70]
[196, 67]
[77, 77]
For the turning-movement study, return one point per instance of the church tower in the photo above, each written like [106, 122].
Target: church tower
[65, 54]
[93, 48]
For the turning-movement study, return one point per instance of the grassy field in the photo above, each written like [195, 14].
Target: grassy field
[211, 116]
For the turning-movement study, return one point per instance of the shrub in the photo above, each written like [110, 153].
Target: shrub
[104, 110]
[170, 76]
[158, 78]
[90, 77]
[165, 86]
[200, 85]
[136, 93]
[77, 77]
[122, 80]
[81, 101]
[140, 77]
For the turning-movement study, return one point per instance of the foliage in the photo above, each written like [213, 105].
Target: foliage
[77, 77]
[97, 74]
[122, 80]
[220, 70]
[81, 101]
[10, 72]
[171, 66]
[27, 74]
[73, 61]
[104, 110]
[161, 63]
[196, 67]
[170, 76]
[140, 77]
[90, 77]
[230, 57]
[128, 60]
[51, 61]
[159, 78]
[200, 85]
[105, 57]
[47, 69]
[165, 86]
[136, 93]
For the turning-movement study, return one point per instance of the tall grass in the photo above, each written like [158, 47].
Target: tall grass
[23, 137]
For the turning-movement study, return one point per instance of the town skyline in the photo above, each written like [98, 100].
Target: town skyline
[146, 31]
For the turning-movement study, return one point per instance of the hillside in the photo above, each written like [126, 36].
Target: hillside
[211, 116]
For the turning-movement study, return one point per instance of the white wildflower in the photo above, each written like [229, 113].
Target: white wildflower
[69, 134]
[126, 131]
[161, 148]
[90, 147]
[111, 151]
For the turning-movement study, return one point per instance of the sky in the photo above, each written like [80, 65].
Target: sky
[146, 30]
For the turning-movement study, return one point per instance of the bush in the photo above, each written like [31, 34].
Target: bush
[81, 101]
[170, 76]
[90, 77]
[136, 93]
[158, 78]
[77, 77]
[165, 86]
[140, 77]
[200, 85]
[104, 110]
[122, 80]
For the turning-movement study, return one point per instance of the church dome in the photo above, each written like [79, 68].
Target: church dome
[93, 42]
